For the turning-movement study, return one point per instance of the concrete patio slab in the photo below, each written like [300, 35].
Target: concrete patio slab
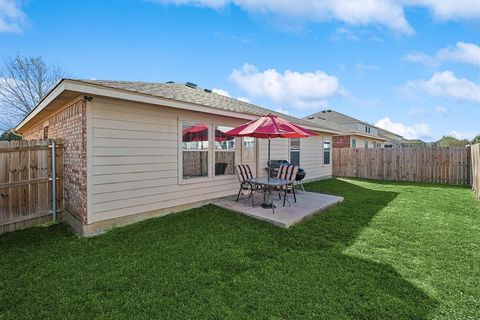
[308, 204]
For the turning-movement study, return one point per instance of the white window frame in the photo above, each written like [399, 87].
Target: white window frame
[181, 180]
[211, 152]
[299, 150]
[325, 139]
[215, 152]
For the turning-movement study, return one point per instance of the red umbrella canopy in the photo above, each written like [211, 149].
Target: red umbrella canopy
[270, 126]
[199, 132]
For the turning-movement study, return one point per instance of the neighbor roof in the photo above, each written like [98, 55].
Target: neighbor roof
[341, 120]
[337, 117]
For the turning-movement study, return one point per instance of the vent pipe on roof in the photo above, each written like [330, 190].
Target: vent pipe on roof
[191, 85]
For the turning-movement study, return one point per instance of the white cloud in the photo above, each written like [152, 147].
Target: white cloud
[417, 113]
[244, 99]
[302, 90]
[417, 131]
[352, 12]
[461, 52]
[344, 33]
[422, 58]
[221, 92]
[449, 9]
[11, 16]
[462, 135]
[386, 13]
[442, 111]
[281, 110]
[446, 84]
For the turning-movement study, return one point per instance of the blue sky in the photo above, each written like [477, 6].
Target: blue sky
[410, 66]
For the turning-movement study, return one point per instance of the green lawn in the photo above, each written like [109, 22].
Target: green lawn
[389, 251]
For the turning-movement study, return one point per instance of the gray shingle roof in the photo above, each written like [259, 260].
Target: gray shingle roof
[337, 117]
[342, 120]
[180, 92]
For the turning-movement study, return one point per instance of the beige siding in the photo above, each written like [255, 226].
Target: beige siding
[361, 142]
[278, 151]
[311, 158]
[135, 159]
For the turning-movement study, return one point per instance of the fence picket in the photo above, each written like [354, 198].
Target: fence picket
[429, 164]
[25, 192]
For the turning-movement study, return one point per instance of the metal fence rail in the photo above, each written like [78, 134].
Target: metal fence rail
[31, 183]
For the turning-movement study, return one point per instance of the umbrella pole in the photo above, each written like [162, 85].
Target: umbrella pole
[268, 163]
[270, 202]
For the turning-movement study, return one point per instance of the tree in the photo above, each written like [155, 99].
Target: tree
[10, 136]
[476, 140]
[451, 141]
[24, 82]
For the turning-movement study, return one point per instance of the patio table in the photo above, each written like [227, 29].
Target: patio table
[267, 186]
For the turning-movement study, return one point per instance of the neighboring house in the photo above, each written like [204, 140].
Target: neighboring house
[393, 139]
[133, 150]
[355, 133]
[415, 143]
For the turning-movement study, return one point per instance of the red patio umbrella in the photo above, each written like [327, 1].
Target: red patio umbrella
[199, 132]
[269, 127]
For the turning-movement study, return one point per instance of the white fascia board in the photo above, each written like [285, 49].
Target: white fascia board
[45, 102]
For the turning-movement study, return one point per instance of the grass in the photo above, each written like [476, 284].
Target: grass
[389, 251]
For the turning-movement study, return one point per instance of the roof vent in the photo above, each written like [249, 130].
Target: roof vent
[191, 85]
[170, 82]
[207, 90]
[310, 117]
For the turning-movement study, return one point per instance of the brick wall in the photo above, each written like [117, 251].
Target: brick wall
[341, 141]
[70, 125]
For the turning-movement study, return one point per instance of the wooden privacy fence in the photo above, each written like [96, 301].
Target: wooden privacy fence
[476, 168]
[428, 164]
[28, 195]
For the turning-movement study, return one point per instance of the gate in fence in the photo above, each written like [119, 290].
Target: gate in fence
[31, 183]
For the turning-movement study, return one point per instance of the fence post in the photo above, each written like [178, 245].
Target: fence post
[54, 183]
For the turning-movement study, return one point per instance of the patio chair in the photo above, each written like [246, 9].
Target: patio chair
[287, 172]
[244, 173]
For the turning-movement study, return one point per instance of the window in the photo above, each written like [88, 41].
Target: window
[248, 149]
[224, 151]
[326, 151]
[195, 150]
[354, 143]
[366, 144]
[295, 151]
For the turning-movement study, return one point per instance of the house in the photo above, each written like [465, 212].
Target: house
[134, 150]
[355, 133]
[393, 139]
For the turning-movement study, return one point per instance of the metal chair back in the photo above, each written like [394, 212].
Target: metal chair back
[243, 172]
[287, 172]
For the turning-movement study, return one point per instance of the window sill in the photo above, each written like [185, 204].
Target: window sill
[205, 179]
